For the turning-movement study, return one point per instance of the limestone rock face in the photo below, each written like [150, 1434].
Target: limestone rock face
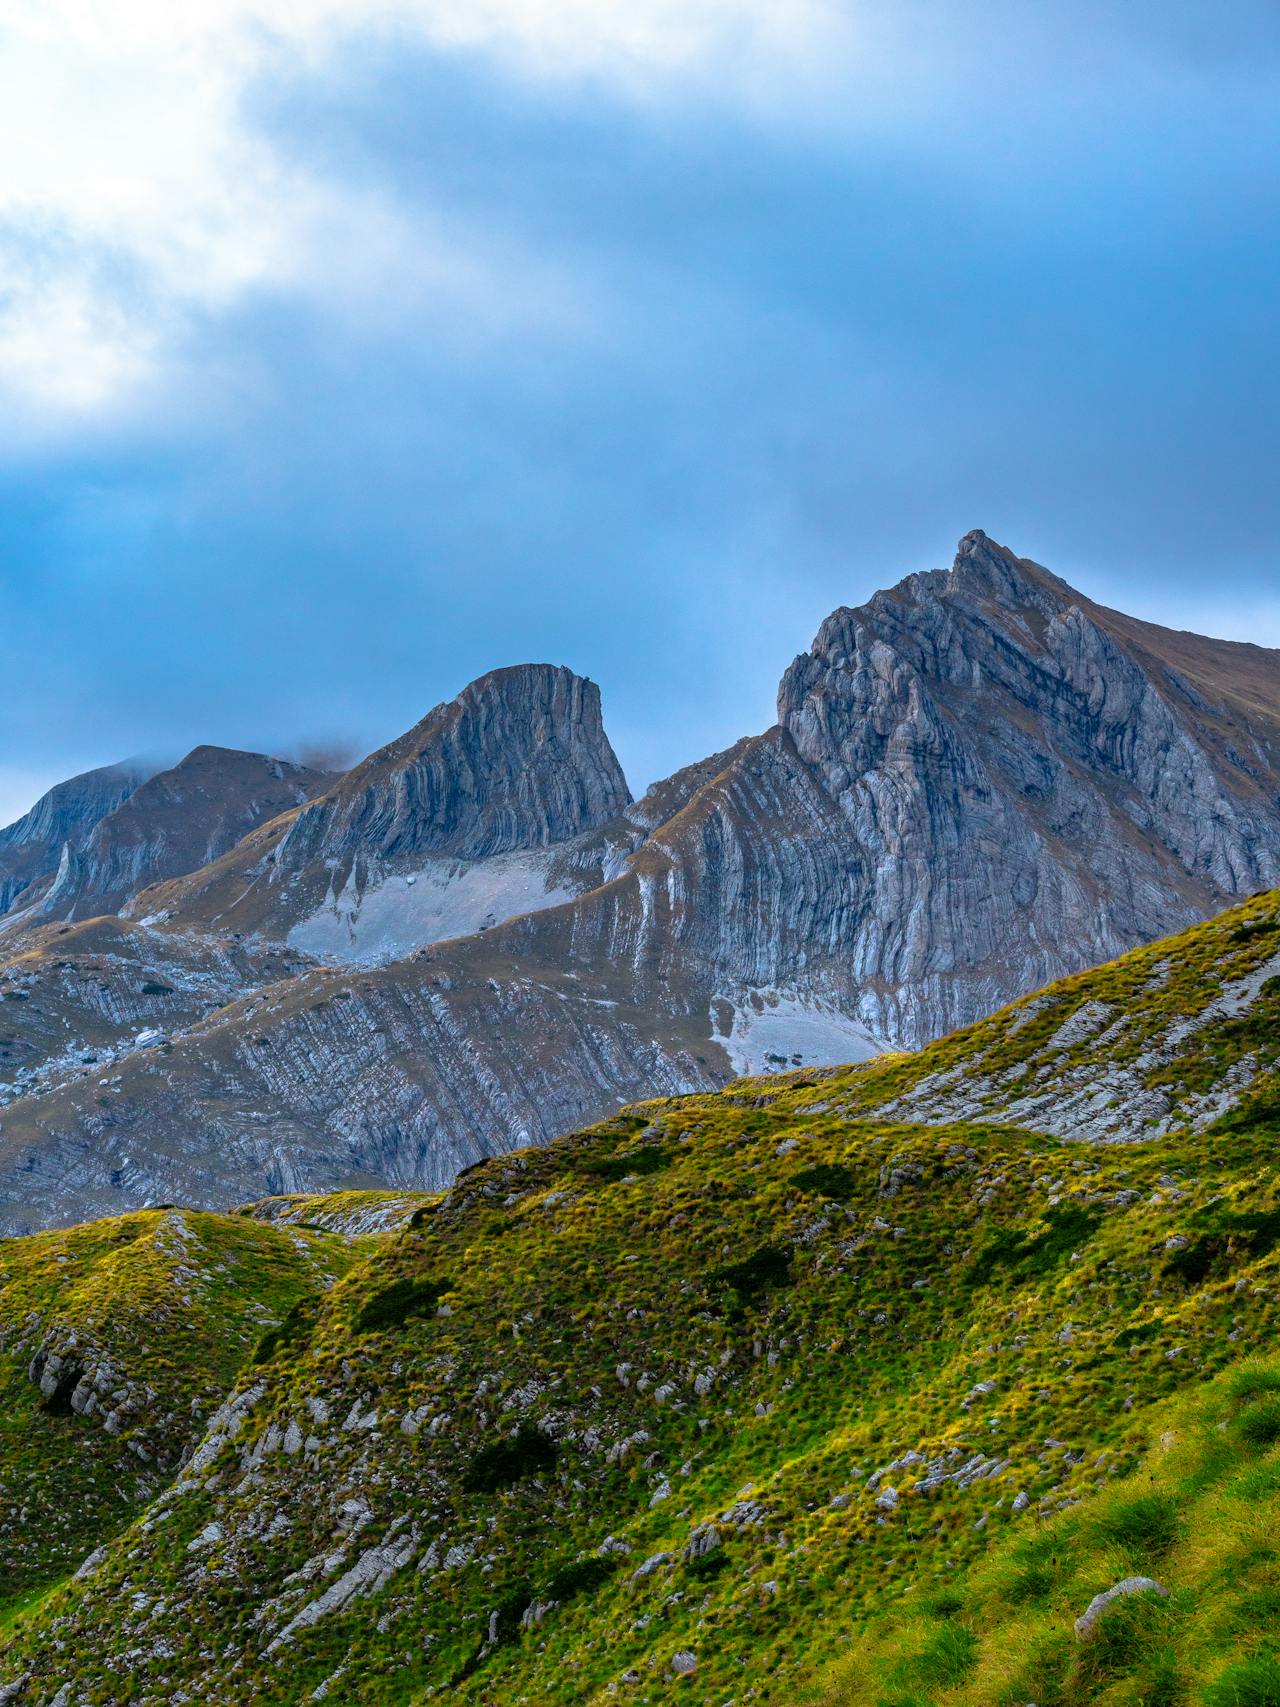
[518, 760]
[1032, 783]
[172, 822]
[1088, 1621]
[504, 800]
[31, 848]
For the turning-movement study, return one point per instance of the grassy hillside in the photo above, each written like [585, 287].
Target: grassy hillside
[117, 1341]
[1163, 1040]
[1199, 1519]
[723, 1390]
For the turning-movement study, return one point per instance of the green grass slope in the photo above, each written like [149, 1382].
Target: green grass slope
[692, 1402]
[117, 1341]
[1199, 1519]
[1163, 1040]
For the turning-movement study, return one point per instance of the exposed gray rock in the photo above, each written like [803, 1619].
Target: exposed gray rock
[520, 759]
[652, 1564]
[167, 824]
[1089, 1619]
[504, 800]
[979, 781]
[705, 1539]
[31, 848]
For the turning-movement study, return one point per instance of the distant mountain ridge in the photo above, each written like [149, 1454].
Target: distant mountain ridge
[31, 848]
[440, 832]
[169, 822]
[979, 781]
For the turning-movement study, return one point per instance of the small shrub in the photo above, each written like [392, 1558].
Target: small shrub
[828, 1179]
[945, 1604]
[1253, 1381]
[293, 1332]
[946, 1658]
[1139, 1334]
[1248, 929]
[1231, 1240]
[399, 1302]
[745, 1281]
[580, 1577]
[1259, 1426]
[1194, 1264]
[1032, 1572]
[648, 1159]
[1068, 1226]
[505, 1462]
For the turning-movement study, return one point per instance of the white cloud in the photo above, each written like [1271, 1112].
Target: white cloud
[135, 196]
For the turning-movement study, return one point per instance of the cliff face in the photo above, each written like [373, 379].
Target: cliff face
[979, 782]
[174, 822]
[1034, 784]
[519, 760]
[492, 805]
[31, 848]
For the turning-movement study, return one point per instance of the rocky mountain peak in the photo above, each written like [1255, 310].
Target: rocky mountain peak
[984, 570]
[69, 810]
[169, 824]
[31, 847]
[518, 760]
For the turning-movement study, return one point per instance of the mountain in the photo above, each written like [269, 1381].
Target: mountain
[80, 998]
[31, 848]
[773, 1394]
[175, 821]
[483, 809]
[978, 781]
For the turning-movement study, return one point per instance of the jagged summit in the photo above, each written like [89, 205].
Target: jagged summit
[979, 781]
[500, 801]
[31, 847]
[518, 760]
[174, 821]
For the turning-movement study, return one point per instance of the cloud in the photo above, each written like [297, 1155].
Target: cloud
[137, 196]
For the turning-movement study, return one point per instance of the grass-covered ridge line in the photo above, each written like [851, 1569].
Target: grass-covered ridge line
[695, 1399]
[1165, 1039]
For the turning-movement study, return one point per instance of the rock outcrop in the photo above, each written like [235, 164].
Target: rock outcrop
[492, 805]
[518, 760]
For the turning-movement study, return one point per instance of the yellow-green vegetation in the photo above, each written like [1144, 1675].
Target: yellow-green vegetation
[1199, 1519]
[117, 1340]
[722, 1390]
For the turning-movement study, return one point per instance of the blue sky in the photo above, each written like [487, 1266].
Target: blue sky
[350, 348]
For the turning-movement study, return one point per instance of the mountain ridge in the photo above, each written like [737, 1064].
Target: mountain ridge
[172, 821]
[979, 782]
[31, 846]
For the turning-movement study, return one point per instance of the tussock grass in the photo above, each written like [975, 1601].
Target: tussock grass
[1200, 1515]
